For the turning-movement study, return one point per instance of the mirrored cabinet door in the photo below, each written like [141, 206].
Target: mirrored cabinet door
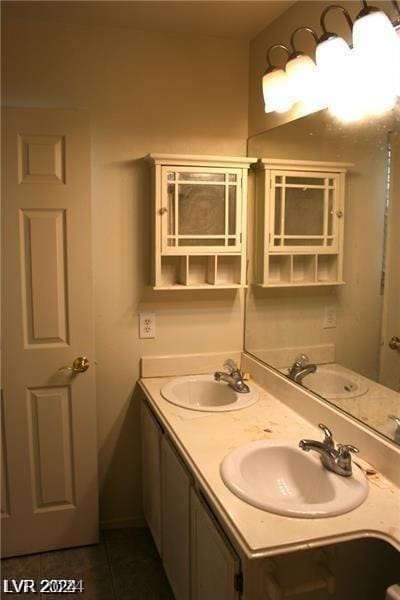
[201, 209]
[304, 211]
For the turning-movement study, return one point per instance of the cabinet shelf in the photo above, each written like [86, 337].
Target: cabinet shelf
[200, 272]
[295, 270]
[312, 284]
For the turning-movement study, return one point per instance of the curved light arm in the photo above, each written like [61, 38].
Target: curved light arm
[326, 33]
[296, 31]
[271, 48]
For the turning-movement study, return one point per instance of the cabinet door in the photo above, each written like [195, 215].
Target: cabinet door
[201, 210]
[151, 473]
[304, 211]
[214, 565]
[175, 521]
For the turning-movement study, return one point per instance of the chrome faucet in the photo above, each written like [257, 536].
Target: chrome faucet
[233, 377]
[300, 368]
[336, 459]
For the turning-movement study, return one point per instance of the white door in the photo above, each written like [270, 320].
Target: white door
[151, 472]
[390, 354]
[49, 465]
[175, 522]
[214, 565]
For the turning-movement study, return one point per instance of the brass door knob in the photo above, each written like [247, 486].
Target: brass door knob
[394, 343]
[80, 365]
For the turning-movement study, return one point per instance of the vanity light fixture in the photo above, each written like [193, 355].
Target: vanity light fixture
[304, 82]
[275, 84]
[337, 69]
[342, 75]
[332, 51]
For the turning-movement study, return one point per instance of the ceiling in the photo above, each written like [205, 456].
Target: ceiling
[223, 18]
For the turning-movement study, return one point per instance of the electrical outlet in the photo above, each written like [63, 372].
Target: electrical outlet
[147, 325]
[329, 317]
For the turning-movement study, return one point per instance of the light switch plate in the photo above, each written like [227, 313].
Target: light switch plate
[329, 317]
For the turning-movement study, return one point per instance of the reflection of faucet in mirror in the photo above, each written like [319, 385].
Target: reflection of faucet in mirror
[334, 459]
[300, 368]
[233, 377]
[396, 435]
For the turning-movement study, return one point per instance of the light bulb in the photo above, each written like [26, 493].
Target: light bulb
[374, 34]
[337, 68]
[303, 79]
[345, 99]
[276, 91]
[330, 56]
[377, 48]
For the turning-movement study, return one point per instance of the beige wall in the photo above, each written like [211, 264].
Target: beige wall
[145, 92]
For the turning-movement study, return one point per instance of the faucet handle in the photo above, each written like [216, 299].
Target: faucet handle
[301, 360]
[344, 456]
[328, 439]
[346, 449]
[230, 365]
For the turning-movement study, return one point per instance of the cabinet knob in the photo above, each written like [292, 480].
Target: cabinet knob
[163, 210]
[339, 214]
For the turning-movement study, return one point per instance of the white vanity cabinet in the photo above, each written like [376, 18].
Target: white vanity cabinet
[299, 222]
[198, 559]
[199, 214]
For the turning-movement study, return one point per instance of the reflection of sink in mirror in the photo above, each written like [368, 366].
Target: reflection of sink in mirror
[279, 477]
[202, 392]
[333, 382]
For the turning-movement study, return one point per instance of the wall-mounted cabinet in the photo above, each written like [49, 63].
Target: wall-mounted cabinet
[200, 206]
[299, 220]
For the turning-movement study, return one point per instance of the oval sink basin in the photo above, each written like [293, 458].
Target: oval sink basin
[331, 383]
[281, 478]
[202, 392]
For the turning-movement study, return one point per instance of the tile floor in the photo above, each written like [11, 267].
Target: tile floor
[125, 565]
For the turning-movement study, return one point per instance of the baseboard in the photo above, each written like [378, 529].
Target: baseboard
[124, 522]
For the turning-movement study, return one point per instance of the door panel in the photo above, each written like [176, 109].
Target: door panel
[50, 460]
[50, 436]
[43, 269]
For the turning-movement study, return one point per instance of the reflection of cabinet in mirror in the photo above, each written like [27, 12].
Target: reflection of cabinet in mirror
[299, 222]
[200, 205]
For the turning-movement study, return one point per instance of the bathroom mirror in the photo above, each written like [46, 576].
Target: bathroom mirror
[348, 330]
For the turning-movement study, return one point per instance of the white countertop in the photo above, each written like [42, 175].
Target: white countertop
[204, 439]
